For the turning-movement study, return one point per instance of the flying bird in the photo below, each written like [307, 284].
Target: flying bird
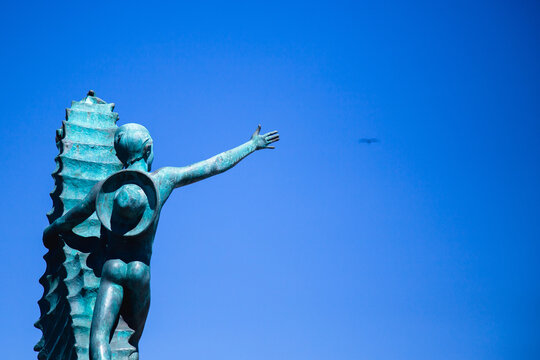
[369, 140]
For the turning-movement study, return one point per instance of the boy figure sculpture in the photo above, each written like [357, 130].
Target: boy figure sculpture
[128, 204]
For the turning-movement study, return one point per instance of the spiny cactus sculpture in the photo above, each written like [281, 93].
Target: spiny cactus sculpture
[71, 279]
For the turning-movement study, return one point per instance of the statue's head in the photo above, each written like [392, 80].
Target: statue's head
[132, 143]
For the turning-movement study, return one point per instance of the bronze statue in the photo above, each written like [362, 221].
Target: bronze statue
[127, 204]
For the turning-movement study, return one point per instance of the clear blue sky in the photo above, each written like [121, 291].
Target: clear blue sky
[423, 246]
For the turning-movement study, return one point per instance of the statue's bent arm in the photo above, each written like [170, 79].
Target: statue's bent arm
[181, 176]
[75, 215]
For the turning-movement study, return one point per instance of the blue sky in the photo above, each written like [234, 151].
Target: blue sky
[422, 246]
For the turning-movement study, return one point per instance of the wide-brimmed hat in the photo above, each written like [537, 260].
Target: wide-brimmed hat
[127, 202]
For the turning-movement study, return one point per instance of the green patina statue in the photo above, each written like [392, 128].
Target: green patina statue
[104, 219]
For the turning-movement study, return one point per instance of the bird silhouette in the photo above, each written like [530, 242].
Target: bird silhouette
[369, 140]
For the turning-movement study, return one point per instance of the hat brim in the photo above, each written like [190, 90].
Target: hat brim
[105, 202]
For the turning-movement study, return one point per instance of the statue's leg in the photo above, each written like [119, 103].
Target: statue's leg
[106, 311]
[136, 300]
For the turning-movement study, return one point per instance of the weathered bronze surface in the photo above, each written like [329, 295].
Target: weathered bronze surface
[106, 206]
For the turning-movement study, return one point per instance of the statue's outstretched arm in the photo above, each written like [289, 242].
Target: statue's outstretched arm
[180, 176]
[75, 215]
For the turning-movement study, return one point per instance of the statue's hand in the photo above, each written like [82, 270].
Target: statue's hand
[50, 235]
[263, 141]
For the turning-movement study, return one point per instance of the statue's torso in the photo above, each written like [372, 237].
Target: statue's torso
[137, 248]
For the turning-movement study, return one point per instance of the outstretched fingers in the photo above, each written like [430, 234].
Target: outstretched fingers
[270, 133]
[272, 138]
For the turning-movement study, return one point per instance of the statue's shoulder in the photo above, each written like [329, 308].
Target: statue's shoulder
[162, 174]
[164, 180]
[157, 175]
